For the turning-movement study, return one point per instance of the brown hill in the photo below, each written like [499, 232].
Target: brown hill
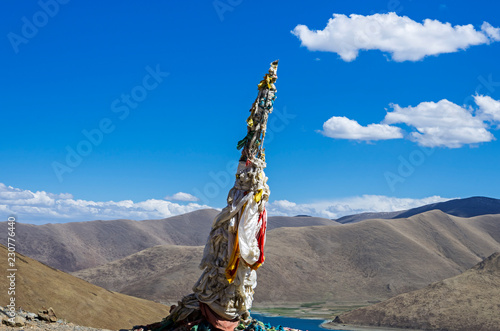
[275, 222]
[81, 245]
[360, 262]
[161, 273]
[74, 299]
[469, 301]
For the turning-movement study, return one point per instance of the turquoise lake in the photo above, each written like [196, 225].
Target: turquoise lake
[295, 323]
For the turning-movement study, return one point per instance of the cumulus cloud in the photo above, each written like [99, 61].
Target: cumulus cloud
[344, 128]
[337, 208]
[441, 124]
[434, 124]
[181, 196]
[400, 36]
[44, 207]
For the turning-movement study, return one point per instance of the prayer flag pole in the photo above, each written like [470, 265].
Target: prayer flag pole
[223, 294]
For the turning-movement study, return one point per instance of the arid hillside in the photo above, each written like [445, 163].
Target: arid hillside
[469, 301]
[74, 299]
[361, 262]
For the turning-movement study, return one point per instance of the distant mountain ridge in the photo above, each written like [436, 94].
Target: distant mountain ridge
[360, 262]
[80, 245]
[467, 207]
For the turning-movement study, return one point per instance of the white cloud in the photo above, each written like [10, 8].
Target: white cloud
[334, 209]
[402, 37]
[435, 124]
[43, 207]
[441, 124]
[489, 109]
[39, 207]
[344, 128]
[181, 196]
[492, 32]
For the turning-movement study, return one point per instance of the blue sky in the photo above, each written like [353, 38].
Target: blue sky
[376, 111]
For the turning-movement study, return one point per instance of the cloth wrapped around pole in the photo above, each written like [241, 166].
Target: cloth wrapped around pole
[223, 295]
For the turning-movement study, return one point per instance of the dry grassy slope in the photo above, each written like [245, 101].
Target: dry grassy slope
[81, 245]
[469, 301]
[151, 273]
[365, 261]
[275, 222]
[367, 216]
[73, 299]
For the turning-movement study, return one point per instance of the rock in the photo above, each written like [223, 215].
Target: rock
[337, 320]
[19, 320]
[47, 315]
[31, 316]
[9, 321]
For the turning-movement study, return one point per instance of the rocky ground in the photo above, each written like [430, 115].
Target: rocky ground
[45, 319]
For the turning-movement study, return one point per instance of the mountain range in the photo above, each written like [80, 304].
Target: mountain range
[467, 207]
[308, 259]
[80, 245]
[361, 262]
